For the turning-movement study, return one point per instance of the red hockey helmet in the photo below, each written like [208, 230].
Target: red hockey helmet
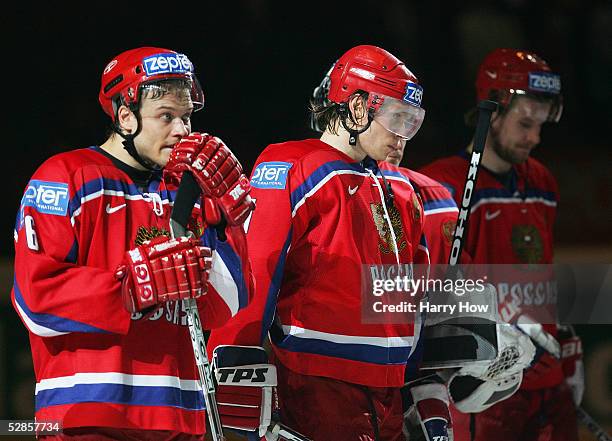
[125, 75]
[510, 72]
[392, 89]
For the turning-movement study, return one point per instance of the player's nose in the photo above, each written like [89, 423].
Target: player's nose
[533, 136]
[180, 128]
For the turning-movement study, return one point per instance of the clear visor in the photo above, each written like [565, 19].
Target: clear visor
[187, 88]
[399, 117]
[546, 110]
[540, 111]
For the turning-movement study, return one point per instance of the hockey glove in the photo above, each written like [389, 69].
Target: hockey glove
[246, 387]
[217, 172]
[477, 386]
[163, 269]
[571, 361]
[426, 414]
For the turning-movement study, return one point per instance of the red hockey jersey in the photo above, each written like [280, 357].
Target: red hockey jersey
[508, 224]
[94, 364]
[440, 215]
[318, 224]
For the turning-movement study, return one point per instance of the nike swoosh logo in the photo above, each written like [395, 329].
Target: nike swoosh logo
[493, 215]
[111, 210]
[491, 74]
[352, 191]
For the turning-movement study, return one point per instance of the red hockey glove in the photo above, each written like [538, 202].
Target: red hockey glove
[571, 360]
[163, 269]
[217, 172]
[246, 387]
[543, 363]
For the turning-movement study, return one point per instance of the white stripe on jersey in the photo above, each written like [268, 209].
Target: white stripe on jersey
[35, 328]
[117, 378]
[103, 192]
[442, 210]
[384, 342]
[321, 183]
[222, 281]
[513, 201]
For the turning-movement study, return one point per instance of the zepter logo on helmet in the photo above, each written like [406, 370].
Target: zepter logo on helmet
[123, 78]
[507, 73]
[394, 95]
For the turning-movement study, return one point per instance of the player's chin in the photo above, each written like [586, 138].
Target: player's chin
[164, 156]
[394, 159]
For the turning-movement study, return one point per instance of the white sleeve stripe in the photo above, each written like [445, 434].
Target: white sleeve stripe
[35, 328]
[442, 210]
[384, 342]
[222, 281]
[117, 378]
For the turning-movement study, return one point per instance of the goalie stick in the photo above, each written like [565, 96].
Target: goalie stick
[186, 197]
[597, 431]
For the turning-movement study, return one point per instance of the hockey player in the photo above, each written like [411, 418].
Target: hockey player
[440, 213]
[98, 280]
[325, 213]
[513, 212]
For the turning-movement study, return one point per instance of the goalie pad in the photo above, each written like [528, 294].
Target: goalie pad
[472, 395]
[245, 387]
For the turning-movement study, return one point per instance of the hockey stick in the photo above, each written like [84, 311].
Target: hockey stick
[431, 358]
[186, 197]
[586, 419]
[187, 194]
[485, 110]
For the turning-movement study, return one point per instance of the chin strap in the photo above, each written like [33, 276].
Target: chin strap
[128, 144]
[353, 134]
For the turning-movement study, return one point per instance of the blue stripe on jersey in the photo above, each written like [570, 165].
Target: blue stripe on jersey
[97, 185]
[169, 195]
[318, 175]
[50, 321]
[396, 174]
[73, 254]
[440, 203]
[121, 394]
[413, 364]
[423, 241]
[275, 283]
[232, 262]
[19, 219]
[503, 193]
[349, 351]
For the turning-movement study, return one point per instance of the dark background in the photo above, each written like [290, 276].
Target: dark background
[258, 62]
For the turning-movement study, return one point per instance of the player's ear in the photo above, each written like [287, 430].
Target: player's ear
[357, 107]
[126, 119]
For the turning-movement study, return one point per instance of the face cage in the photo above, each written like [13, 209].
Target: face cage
[399, 117]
